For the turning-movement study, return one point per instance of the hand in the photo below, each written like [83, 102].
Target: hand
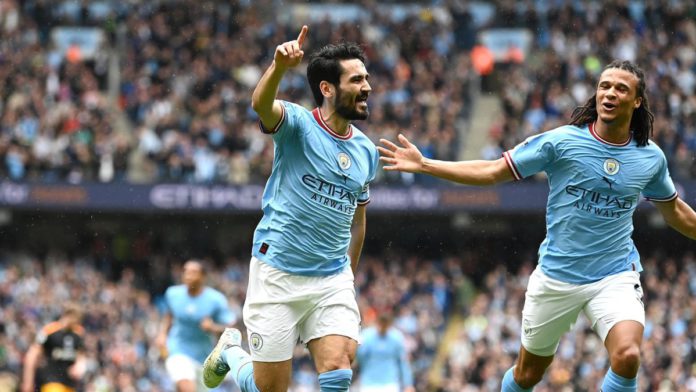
[161, 341]
[409, 389]
[406, 158]
[27, 387]
[289, 54]
[161, 344]
[76, 371]
[207, 325]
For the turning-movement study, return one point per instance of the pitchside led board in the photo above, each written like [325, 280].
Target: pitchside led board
[522, 197]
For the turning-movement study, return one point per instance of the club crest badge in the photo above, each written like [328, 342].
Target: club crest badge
[344, 161]
[255, 341]
[611, 166]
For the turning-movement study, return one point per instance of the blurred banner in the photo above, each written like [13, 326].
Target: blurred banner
[520, 197]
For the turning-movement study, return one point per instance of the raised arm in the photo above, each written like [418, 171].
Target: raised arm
[679, 215]
[263, 101]
[408, 158]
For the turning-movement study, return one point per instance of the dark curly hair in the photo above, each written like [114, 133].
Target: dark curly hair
[642, 119]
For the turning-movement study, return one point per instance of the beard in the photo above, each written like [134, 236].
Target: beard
[347, 108]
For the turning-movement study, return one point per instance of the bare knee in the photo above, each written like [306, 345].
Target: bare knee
[272, 378]
[625, 360]
[332, 353]
[335, 363]
[270, 385]
[185, 386]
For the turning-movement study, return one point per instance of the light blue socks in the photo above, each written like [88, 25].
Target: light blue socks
[335, 380]
[241, 367]
[509, 384]
[615, 383]
[242, 370]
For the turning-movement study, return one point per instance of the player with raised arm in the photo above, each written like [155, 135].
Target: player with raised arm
[194, 313]
[308, 242]
[597, 168]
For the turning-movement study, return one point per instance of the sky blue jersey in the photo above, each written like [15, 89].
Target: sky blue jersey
[319, 178]
[382, 359]
[594, 188]
[185, 335]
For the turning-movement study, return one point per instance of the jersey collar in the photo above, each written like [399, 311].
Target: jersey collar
[596, 136]
[320, 120]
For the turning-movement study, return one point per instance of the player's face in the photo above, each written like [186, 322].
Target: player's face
[353, 90]
[192, 274]
[617, 96]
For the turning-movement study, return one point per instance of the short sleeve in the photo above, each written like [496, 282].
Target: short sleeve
[41, 337]
[531, 156]
[288, 123]
[661, 188]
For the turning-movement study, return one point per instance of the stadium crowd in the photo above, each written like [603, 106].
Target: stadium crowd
[122, 315]
[572, 43]
[187, 67]
[121, 318]
[186, 72]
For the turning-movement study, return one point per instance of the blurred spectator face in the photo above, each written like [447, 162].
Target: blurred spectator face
[352, 91]
[617, 95]
[193, 274]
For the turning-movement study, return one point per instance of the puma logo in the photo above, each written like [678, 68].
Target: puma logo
[608, 181]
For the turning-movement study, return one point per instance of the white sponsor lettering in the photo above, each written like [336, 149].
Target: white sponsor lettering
[203, 197]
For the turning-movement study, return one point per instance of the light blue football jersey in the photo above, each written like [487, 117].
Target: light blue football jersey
[594, 188]
[185, 335]
[318, 180]
[383, 360]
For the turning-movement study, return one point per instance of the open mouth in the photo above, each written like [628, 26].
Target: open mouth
[608, 106]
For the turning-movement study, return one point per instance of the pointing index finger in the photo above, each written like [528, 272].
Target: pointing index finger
[302, 36]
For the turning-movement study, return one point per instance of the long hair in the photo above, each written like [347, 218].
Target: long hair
[641, 120]
[324, 64]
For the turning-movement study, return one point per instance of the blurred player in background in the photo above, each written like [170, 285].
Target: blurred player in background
[61, 344]
[597, 168]
[308, 243]
[382, 358]
[194, 313]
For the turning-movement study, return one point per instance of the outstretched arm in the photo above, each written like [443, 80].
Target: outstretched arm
[408, 159]
[679, 215]
[263, 101]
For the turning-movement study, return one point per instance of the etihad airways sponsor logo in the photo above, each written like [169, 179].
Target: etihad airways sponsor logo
[330, 194]
[600, 204]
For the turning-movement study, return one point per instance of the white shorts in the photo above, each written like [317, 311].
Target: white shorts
[181, 367]
[551, 307]
[282, 309]
[380, 388]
